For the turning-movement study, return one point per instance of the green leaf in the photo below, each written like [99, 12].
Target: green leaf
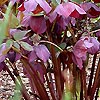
[20, 35]
[9, 43]
[62, 45]
[56, 2]
[17, 93]
[16, 45]
[67, 96]
[78, 1]
[4, 24]
[8, 46]
[14, 21]
[26, 46]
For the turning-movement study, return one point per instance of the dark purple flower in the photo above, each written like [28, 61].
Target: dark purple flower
[95, 47]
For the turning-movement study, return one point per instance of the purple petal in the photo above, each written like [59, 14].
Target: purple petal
[79, 49]
[42, 52]
[71, 7]
[2, 48]
[73, 21]
[32, 56]
[79, 9]
[77, 61]
[95, 47]
[92, 9]
[38, 24]
[44, 5]
[98, 34]
[26, 20]
[88, 44]
[52, 16]
[30, 5]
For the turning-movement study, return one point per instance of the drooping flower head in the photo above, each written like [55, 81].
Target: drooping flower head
[80, 50]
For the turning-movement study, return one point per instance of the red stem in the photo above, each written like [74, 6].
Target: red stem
[91, 75]
[24, 93]
[96, 81]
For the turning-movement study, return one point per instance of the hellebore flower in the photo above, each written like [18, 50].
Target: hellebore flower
[67, 9]
[32, 5]
[41, 52]
[92, 10]
[80, 50]
[37, 23]
[95, 47]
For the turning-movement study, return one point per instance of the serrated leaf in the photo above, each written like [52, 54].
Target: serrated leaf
[20, 34]
[26, 46]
